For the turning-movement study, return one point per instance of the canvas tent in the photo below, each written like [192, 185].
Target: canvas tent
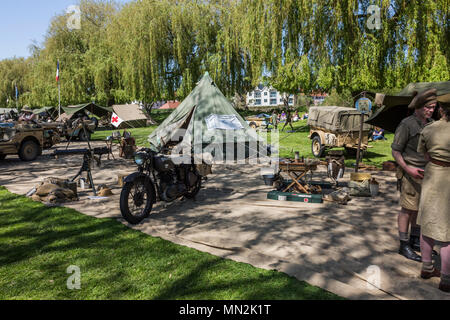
[170, 105]
[395, 107]
[94, 109]
[206, 123]
[131, 114]
[52, 111]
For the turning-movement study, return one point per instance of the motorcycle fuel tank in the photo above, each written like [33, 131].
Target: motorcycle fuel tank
[163, 164]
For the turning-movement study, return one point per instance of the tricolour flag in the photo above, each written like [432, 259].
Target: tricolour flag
[57, 72]
[115, 120]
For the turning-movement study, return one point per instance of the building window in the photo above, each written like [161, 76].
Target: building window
[273, 94]
[250, 94]
[257, 102]
[265, 93]
[265, 100]
[257, 94]
[291, 100]
[273, 101]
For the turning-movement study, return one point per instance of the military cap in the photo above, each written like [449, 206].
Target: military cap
[26, 109]
[425, 98]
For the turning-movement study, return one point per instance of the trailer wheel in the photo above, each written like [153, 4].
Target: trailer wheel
[317, 148]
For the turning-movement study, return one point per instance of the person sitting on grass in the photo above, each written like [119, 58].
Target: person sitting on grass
[378, 134]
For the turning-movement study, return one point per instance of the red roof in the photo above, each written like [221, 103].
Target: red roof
[171, 105]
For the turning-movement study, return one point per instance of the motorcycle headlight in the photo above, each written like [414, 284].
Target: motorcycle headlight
[139, 158]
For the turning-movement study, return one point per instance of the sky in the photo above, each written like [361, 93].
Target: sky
[25, 21]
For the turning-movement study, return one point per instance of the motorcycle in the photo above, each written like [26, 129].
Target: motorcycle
[157, 178]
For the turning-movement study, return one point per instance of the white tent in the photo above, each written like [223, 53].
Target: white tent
[131, 114]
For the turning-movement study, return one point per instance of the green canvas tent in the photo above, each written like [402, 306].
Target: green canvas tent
[395, 107]
[93, 108]
[206, 123]
[52, 111]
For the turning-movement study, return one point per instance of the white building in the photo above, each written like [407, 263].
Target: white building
[266, 97]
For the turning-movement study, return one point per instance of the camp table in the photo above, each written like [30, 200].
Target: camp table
[297, 170]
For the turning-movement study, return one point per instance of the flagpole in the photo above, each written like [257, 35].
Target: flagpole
[59, 99]
[59, 91]
[17, 94]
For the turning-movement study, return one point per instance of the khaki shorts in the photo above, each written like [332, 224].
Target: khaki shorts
[409, 196]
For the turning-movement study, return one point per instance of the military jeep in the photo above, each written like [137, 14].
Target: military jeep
[25, 140]
[332, 127]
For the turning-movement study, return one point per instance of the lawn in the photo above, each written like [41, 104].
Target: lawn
[38, 244]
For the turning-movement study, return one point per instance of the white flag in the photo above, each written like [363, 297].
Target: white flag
[115, 120]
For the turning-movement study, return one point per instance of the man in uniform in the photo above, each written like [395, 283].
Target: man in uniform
[288, 120]
[27, 115]
[411, 168]
[274, 120]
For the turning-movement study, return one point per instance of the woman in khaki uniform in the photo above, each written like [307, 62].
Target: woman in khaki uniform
[434, 207]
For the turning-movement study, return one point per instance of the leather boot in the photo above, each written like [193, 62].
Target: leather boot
[414, 242]
[430, 274]
[406, 251]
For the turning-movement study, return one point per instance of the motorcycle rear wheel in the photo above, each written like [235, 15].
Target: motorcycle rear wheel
[136, 201]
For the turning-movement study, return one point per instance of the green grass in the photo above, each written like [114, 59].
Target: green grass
[140, 134]
[38, 244]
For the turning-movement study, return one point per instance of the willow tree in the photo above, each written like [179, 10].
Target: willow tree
[13, 74]
[151, 50]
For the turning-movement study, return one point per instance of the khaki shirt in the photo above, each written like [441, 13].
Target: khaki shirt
[406, 140]
[435, 139]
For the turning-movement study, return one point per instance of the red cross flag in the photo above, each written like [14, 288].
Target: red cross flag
[115, 120]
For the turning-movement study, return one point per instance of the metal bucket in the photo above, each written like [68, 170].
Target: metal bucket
[268, 179]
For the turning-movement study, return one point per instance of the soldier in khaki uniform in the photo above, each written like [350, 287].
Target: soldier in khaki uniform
[434, 208]
[411, 168]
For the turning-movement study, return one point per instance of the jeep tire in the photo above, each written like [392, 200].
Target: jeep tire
[317, 148]
[29, 150]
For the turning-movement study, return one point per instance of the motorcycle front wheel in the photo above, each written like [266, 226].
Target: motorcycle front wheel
[194, 190]
[136, 200]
